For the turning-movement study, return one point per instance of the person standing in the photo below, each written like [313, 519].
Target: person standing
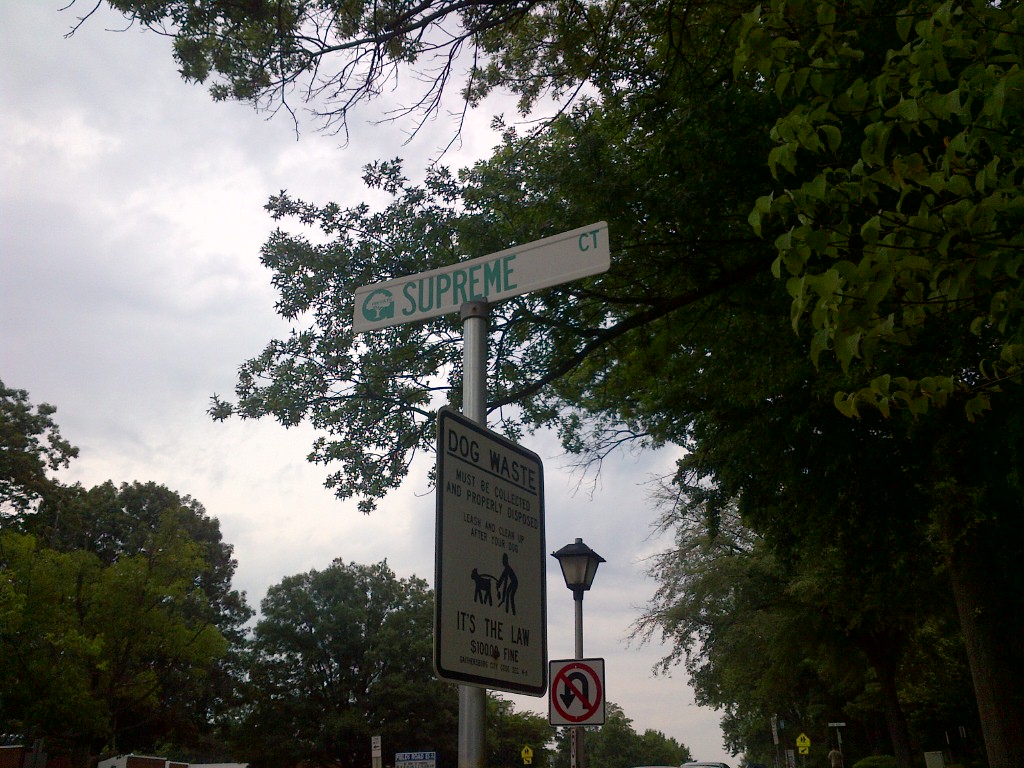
[508, 584]
[835, 758]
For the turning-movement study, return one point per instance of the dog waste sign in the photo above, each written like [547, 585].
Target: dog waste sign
[490, 604]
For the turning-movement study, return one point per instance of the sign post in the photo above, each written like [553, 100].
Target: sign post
[467, 287]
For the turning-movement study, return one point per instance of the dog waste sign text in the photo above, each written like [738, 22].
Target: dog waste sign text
[490, 604]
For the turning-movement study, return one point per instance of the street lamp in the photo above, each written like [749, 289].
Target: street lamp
[579, 566]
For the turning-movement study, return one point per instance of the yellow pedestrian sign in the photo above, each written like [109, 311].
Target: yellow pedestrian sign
[527, 755]
[803, 744]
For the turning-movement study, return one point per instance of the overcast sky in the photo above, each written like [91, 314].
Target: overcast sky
[131, 290]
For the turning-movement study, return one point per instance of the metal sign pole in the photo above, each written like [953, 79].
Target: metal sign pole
[473, 700]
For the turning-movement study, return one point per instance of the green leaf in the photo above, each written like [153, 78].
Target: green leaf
[833, 137]
[876, 137]
[819, 343]
[846, 404]
[904, 23]
[847, 347]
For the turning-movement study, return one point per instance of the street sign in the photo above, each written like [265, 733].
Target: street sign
[490, 608]
[527, 755]
[577, 692]
[541, 264]
[416, 760]
[803, 744]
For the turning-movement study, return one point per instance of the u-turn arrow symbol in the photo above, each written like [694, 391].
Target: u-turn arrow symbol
[572, 691]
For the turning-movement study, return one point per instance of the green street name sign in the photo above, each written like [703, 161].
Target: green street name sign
[541, 264]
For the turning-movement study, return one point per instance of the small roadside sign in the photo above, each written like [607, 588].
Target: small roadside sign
[416, 760]
[803, 744]
[541, 264]
[490, 607]
[527, 755]
[577, 692]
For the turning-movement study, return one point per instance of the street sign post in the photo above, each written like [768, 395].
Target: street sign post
[470, 287]
[577, 692]
[541, 264]
[490, 597]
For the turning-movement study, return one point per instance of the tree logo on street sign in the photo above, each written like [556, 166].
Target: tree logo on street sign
[379, 305]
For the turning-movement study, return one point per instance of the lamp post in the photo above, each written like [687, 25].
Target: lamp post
[579, 566]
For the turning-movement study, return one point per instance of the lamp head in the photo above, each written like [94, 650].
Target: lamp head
[579, 565]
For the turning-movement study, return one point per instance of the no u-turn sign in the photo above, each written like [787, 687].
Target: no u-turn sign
[577, 692]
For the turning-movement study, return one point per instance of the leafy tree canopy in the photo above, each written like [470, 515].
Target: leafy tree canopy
[116, 607]
[616, 744]
[341, 655]
[888, 193]
[30, 445]
[338, 54]
[898, 152]
[96, 655]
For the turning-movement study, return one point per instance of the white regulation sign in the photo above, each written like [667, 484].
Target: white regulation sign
[577, 692]
[490, 598]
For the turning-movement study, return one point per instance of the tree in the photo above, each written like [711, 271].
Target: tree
[509, 731]
[808, 634]
[94, 654]
[117, 523]
[30, 444]
[341, 655]
[672, 151]
[911, 235]
[335, 55]
[584, 357]
[117, 608]
[617, 745]
[264, 54]
[899, 145]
